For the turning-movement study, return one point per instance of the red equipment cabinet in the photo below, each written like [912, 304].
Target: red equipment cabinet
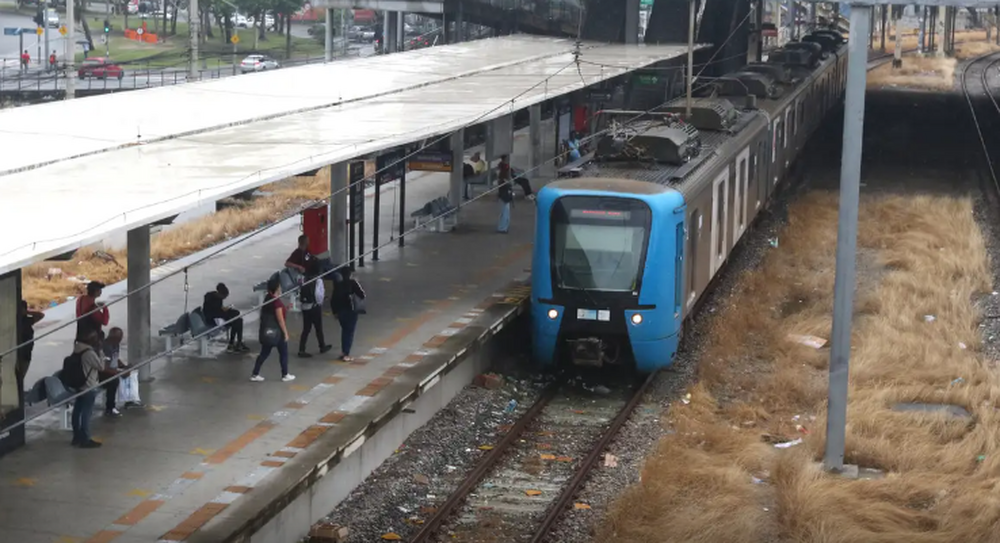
[316, 226]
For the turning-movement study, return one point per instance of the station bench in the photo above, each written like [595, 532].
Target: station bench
[54, 392]
[193, 324]
[438, 215]
[288, 282]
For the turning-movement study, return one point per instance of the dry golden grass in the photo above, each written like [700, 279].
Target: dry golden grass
[917, 72]
[917, 256]
[968, 50]
[40, 289]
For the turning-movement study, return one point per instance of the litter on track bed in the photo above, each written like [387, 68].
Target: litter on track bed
[402, 492]
[923, 275]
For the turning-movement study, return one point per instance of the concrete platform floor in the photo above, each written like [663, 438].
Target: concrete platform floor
[207, 430]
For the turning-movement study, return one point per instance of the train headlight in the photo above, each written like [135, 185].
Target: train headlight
[637, 319]
[553, 314]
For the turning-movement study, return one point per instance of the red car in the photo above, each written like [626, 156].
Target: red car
[101, 68]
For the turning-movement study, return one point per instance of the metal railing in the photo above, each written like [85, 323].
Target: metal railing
[40, 81]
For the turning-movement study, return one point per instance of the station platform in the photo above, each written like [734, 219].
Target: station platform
[212, 450]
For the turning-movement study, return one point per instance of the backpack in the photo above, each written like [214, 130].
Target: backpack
[307, 294]
[72, 375]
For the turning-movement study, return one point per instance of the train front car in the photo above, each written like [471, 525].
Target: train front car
[605, 272]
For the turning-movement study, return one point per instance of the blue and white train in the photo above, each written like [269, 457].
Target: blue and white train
[630, 240]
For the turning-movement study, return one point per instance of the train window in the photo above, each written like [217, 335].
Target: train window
[679, 270]
[599, 243]
[756, 164]
[794, 125]
[802, 113]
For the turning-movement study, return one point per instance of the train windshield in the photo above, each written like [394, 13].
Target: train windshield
[598, 243]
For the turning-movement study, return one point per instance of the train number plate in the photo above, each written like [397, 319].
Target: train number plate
[603, 315]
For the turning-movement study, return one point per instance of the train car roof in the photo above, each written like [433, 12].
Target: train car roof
[714, 143]
[610, 184]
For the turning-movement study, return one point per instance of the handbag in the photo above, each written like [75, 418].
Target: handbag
[358, 304]
[270, 333]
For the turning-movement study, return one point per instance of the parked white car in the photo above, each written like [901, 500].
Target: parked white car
[52, 19]
[240, 21]
[258, 63]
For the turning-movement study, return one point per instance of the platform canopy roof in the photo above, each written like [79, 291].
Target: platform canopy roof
[213, 140]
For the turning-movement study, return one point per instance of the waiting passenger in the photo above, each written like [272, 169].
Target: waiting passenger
[80, 372]
[273, 332]
[127, 385]
[478, 164]
[347, 303]
[312, 296]
[300, 257]
[214, 308]
[506, 174]
[506, 195]
[28, 320]
[97, 320]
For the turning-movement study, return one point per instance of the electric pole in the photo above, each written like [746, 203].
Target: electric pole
[691, 8]
[194, 28]
[45, 31]
[70, 53]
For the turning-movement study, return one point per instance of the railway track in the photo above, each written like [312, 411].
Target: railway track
[529, 478]
[983, 106]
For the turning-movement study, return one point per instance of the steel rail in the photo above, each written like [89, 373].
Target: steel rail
[482, 468]
[571, 489]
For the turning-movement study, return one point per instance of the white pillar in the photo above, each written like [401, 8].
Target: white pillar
[400, 35]
[137, 330]
[194, 29]
[488, 155]
[535, 138]
[10, 397]
[457, 159]
[70, 52]
[942, 17]
[338, 213]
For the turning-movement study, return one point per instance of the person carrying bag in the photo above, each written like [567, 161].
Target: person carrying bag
[273, 332]
[347, 302]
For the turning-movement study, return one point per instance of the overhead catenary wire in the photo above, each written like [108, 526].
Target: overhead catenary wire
[226, 246]
[217, 327]
[321, 276]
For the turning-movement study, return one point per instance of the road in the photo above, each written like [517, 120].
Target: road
[12, 81]
[9, 44]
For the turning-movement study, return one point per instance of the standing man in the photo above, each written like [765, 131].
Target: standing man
[25, 60]
[80, 372]
[52, 61]
[26, 333]
[97, 320]
[506, 194]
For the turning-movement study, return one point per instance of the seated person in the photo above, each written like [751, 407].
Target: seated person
[478, 164]
[114, 365]
[214, 308]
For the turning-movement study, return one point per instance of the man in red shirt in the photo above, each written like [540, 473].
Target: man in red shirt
[25, 59]
[97, 320]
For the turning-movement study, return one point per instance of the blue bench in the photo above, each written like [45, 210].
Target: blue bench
[190, 325]
[51, 390]
[438, 215]
[289, 279]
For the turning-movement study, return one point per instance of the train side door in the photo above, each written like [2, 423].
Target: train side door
[693, 265]
[776, 154]
[740, 193]
[720, 210]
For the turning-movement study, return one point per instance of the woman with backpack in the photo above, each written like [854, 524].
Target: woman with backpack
[273, 332]
[312, 294]
[347, 302]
